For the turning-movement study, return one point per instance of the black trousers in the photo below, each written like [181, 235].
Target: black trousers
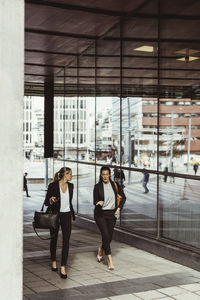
[106, 223]
[66, 225]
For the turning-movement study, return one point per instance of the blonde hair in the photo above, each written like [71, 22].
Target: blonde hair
[59, 175]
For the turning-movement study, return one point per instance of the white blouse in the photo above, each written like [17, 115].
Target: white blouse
[109, 196]
[64, 201]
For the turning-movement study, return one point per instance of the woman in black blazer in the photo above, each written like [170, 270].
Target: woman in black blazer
[59, 199]
[106, 211]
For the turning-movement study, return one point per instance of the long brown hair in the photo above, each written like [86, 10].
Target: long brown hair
[104, 168]
[59, 175]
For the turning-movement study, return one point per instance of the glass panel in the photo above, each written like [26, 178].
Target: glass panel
[180, 209]
[139, 212]
[179, 132]
[179, 144]
[107, 102]
[139, 74]
[179, 125]
[71, 112]
[86, 107]
[50, 169]
[33, 139]
[59, 127]
[108, 130]
[139, 132]
[86, 182]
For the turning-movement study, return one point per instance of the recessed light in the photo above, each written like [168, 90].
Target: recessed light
[190, 58]
[145, 48]
[187, 51]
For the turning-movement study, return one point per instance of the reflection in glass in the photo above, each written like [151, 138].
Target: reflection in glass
[108, 130]
[86, 143]
[180, 210]
[139, 132]
[137, 71]
[139, 212]
[86, 182]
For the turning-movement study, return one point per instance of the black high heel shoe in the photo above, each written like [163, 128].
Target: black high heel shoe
[54, 269]
[63, 276]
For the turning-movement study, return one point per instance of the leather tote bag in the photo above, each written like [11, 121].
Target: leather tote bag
[45, 220]
[119, 197]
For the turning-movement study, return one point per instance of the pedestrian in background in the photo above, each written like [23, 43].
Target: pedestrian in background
[172, 171]
[25, 184]
[59, 199]
[195, 168]
[119, 177]
[106, 211]
[166, 171]
[145, 180]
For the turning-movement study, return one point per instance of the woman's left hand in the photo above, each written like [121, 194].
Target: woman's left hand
[117, 212]
[99, 203]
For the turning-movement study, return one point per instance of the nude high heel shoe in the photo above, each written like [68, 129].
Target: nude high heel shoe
[99, 257]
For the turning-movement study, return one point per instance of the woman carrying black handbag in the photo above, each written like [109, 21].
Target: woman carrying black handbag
[107, 209]
[59, 200]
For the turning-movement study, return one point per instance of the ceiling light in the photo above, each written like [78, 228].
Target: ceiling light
[190, 58]
[145, 48]
[187, 51]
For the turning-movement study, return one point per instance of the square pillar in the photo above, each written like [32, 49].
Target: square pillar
[48, 118]
[11, 148]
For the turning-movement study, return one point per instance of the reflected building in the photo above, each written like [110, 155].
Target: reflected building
[38, 129]
[140, 129]
[70, 127]
[104, 134]
[174, 127]
[33, 128]
[27, 127]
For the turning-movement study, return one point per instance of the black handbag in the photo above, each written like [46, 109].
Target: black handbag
[45, 220]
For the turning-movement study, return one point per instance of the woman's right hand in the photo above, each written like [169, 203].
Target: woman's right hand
[52, 200]
[99, 203]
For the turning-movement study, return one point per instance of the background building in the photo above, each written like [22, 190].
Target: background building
[70, 118]
[28, 128]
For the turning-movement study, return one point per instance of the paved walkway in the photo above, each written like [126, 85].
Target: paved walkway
[137, 274]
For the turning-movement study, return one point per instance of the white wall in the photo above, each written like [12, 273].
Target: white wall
[11, 146]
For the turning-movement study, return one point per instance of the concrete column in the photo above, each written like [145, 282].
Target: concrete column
[11, 147]
[48, 118]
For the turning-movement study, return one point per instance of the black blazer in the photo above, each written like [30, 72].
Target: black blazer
[54, 190]
[98, 194]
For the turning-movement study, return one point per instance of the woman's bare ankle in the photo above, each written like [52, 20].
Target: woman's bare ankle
[63, 270]
[110, 261]
[100, 252]
[54, 264]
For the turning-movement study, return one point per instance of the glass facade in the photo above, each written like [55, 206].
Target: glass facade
[132, 101]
